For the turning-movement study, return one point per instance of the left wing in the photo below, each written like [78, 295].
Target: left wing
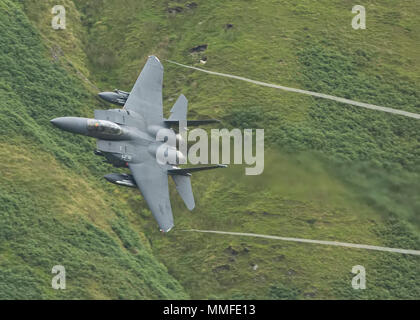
[152, 181]
[146, 96]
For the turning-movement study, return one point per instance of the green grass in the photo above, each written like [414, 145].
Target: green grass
[54, 208]
[295, 197]
[332, 171]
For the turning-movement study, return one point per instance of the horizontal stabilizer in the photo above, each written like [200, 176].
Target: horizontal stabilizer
[183, 185]
[191, 123]
[187, 171]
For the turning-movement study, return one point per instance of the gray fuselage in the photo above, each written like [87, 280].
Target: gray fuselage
[118, 134]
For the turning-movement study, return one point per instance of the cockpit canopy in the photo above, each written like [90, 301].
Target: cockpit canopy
[103, 127]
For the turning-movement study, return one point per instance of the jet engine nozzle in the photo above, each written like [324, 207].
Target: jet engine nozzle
[166, 154]
[166, 135]
[154, 131]
[173, 156]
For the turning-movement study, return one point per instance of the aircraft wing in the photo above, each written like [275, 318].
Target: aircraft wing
[152, 181]
[146, 96]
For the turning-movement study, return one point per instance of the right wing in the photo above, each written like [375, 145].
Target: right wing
[146, 96]
[152, 181]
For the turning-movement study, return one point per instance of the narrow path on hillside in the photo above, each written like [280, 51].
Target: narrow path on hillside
[311, 93]
[322, 242]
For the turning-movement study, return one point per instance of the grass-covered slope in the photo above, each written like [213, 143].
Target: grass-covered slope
[306, 45]
[54, 209]
[332, 172]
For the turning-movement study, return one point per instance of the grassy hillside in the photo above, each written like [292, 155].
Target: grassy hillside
[332, 172]
[55, 210]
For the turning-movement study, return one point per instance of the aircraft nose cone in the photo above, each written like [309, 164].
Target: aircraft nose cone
[71, 124]
[58, 122]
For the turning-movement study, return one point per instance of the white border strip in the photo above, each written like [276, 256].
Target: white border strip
[323, 242]
[311, 93]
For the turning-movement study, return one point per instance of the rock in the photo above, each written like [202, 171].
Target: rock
[310, 221]
[199, 48]
[191, 5]
[175, 10]
[223, 267]
[203, 60]
[279, 258]
[232, 251]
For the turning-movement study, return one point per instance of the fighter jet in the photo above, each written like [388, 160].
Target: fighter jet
[127, 138]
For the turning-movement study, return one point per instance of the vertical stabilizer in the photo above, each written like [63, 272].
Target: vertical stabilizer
[183, 185]
[180, 108]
